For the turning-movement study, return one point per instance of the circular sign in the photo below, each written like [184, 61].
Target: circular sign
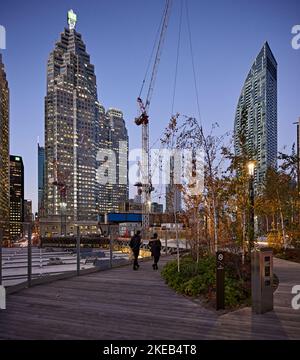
[220, 257]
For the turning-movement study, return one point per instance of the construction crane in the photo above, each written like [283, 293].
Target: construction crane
[145, 186]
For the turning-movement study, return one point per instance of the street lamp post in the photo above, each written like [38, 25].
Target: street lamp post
[251, 168]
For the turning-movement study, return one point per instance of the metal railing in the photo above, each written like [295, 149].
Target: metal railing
[29, 264]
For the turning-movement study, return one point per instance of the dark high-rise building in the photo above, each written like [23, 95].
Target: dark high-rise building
[113, 187]
[157, 208]
[41, 179]
[4, 153]
[118, 191]
[257, 108]
[16, 196]
[71, 116]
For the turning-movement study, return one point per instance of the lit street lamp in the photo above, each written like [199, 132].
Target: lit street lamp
[251, 169]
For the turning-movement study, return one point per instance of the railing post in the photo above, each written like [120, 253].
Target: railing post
[29, 255]
[110, 249]
[166, 242]
[1, 236]
[78, 249]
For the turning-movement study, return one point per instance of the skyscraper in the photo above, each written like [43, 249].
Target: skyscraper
[4, 153]
[113, 189]
[41, 178]
[258, 105]
[16, 196]
[71, 116]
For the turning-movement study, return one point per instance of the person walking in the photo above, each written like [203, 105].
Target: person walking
[135, 244]
[155, 245]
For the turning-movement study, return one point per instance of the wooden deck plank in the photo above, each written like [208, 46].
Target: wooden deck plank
[126, 304]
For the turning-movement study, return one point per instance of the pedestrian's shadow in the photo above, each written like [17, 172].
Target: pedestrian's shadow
[268, 324]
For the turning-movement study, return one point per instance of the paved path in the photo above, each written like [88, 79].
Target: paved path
[126, 304]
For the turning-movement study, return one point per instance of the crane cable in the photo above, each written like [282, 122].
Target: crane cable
[177, 58]
[193, 62]
[152, 53]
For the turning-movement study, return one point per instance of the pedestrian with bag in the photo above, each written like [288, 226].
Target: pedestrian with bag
[155, 246]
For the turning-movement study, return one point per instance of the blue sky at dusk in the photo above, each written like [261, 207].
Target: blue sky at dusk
[119, 34]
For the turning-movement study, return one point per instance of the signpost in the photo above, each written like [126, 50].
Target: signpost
[78, 249]
[220, 277]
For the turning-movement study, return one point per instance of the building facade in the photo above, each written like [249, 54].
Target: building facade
[80, 138]
[112, 173]
[16, 217]
[4, 153]
[71, 117]
[41, 178]
[256, 113]
[27, 208]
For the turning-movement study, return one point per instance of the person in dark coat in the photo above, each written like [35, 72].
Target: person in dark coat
[155, 246]
[135, 244]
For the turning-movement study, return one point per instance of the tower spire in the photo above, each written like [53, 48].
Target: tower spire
[72, 19]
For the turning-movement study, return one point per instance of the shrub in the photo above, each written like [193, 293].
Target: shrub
[196, 279]
[275, 240]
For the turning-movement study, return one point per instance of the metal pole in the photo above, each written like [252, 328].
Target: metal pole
[298, 167]
[1, 236]
[110, 249]
[29, 256]
[78, 250]
[166, 242]
[251, 214]
[220, 277]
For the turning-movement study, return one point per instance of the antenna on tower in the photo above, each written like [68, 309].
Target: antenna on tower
[72, 19]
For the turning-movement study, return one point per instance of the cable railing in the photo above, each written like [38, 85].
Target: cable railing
[59, 257]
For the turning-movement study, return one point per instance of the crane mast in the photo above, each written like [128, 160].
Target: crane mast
[146, 184]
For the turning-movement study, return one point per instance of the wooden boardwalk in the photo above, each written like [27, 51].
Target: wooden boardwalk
[126, 304]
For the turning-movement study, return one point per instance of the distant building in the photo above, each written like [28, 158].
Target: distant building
[4, 153]
[157, 208]
[138, 199]
[130, 206]
[27, 208]
[16, 197]
[41, 178]
[257, 108]
[173, 194]
[113, 186]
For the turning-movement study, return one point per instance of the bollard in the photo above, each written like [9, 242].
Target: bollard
[220, 277]
[262, 280]
[29, 256]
